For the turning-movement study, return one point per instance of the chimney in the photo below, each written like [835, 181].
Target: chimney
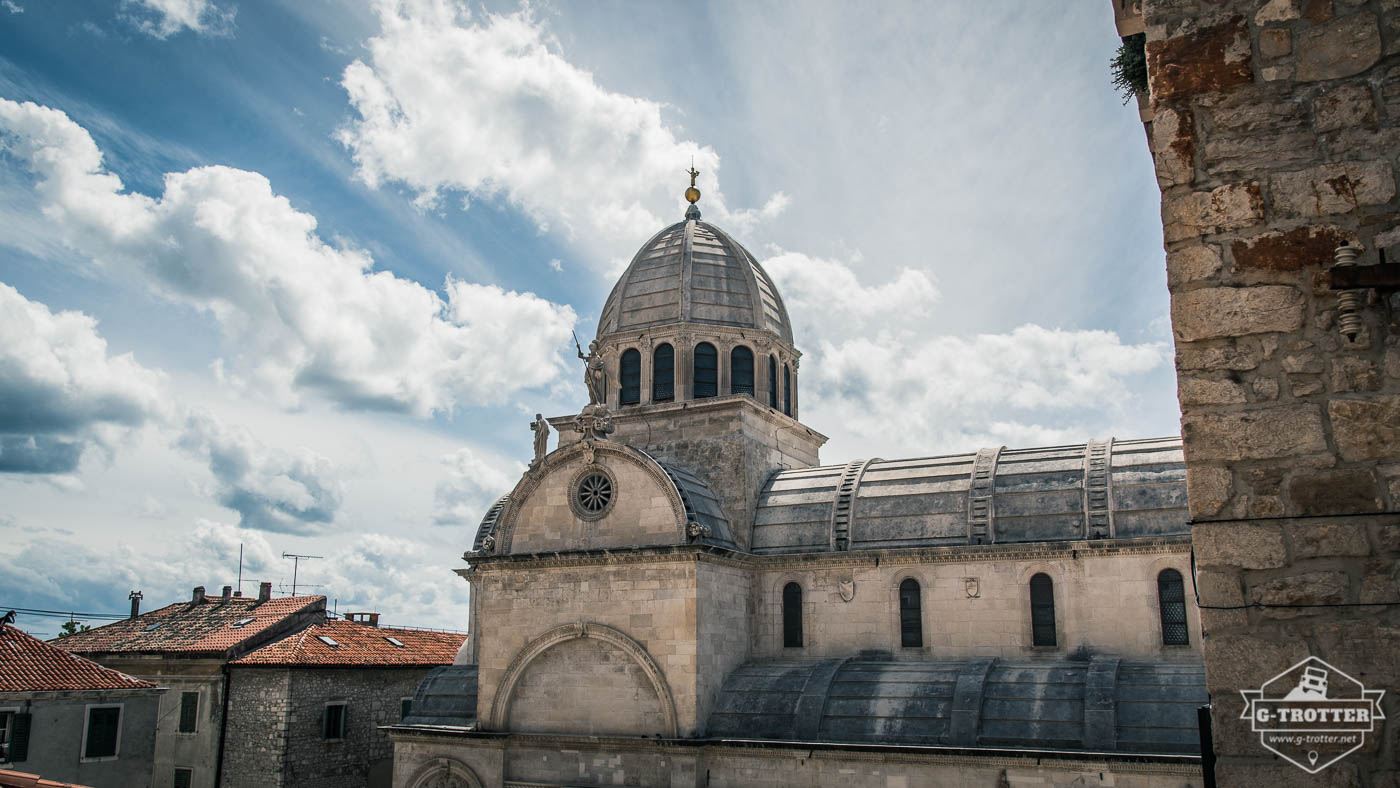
[228, 594]
[374, 619]
[135, 597]
[264, 592]
[198, 595]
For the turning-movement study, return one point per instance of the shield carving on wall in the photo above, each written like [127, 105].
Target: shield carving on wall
[847, 589]
[974, 589]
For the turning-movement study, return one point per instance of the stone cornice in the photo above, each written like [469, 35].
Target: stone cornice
[564, 424]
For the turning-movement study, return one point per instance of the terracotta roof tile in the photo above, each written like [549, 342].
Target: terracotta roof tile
[28, 664]
[210, 627]
[358, 644]
[13, 779]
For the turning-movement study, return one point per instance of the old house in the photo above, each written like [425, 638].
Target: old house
[65, 718]
[186, 648]
[307, 710]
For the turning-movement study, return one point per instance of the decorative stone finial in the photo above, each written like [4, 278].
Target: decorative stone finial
[594, 422]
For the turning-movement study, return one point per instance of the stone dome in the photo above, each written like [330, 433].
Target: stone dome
[693, 272]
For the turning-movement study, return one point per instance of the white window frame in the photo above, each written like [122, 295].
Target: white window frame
[9, 733]
[87, 719]
[344, 707]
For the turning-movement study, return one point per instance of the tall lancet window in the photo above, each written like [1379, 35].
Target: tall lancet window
[1042, 610]
[741, 371]
[706, 371]
[773, 382]
[787, 391]
[1171, 597]
[792, 616]
[911, 620]
[663, 373]
[630, 371]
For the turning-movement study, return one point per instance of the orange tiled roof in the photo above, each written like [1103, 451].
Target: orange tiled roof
[210, 627]
[28, 664]
[13, 779]
[359, 644]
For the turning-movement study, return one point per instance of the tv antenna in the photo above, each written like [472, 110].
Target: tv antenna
[296, 563]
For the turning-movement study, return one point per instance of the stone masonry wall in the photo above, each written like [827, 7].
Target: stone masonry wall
[1275, 131]
[255, 742]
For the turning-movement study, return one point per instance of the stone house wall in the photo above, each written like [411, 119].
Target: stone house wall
[1275, 128]
[197, 751]
[259, 719]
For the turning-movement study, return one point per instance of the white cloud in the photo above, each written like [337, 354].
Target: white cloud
[556, 265]
[12, 6]
[471, 485]
[484, 106]
[272, 490]
[303, 314]
[164, 18]
[407, 581]
[60, 390]
[872, 367]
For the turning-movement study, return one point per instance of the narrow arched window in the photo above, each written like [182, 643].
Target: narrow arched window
[792, 616]
[1042, 610]
[911, 622]
[630, 371]
[741, 371]
[706, 371]
[663, 373]
[773, 382]
[1171, 597]
[787, 391]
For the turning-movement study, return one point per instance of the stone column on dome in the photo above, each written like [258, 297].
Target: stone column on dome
[794, 388]
[683, 354]
[723, 348]
[760, 372]
[645, 346]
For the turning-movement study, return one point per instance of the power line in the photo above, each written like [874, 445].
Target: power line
[30, 611]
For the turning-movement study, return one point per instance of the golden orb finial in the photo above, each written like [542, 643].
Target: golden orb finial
[692, 195]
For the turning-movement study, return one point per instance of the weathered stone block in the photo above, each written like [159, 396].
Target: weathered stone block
[1305, 385]
[1323, 539]
[1345, 105]
[1332, 188]
[1380, 582]
[1237, 661]
[1235, 311]
[1308, 588]
[1275, 43]
[1219, 588]
[1229, 357]
[1334, 492]
[1302, 363]
[1238, 545]
[1291, 250]
[1355, 374]
[1260, 433]
[1204, 391]
[1366, 429]
[1339, 48]
[1354, 646]
[1173, 146]
[1265, 389]
[1276, 11]
[1186, 214]
[1192, 264]
[1204, 58]
[1207, 490]
[1338, 775]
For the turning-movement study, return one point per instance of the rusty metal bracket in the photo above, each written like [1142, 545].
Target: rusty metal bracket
[1383, 276]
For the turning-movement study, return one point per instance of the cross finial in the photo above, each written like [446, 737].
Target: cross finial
[692, 195]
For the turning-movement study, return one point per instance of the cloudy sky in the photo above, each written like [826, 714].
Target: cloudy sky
[295, 276]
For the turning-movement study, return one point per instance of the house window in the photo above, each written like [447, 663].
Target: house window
[189, 712]
[773, 382]
[787, 391]
[792, 616]
[706, 370]
[333, 721]
[663, 373]
[101, 732]
[7, 727]
[741, 371]
[183, 777]
[1042, 610]
[14, 736]
[405, 707]
[630, 372]
[1171, 597]
[911, 622]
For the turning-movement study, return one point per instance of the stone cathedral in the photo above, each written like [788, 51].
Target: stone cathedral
[682, 594]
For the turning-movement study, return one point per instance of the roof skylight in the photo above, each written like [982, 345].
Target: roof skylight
[395, 641]
[328, 641]
[241, 623]
[150, 627]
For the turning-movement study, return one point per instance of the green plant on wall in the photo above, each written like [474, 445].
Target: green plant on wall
[1129, 67]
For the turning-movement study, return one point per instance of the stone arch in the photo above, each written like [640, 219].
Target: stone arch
[505, 529]
[500, 705]
[923, 575]
[1060, 581]
[812, 586]
[1181, 563]
[444, 772]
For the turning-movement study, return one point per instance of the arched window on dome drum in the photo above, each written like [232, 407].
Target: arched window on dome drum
[792, 616]
[663, 373]
[1042, 610]
[1171, 597]
[630, 371]
[741, 371]
[911, 622]
[706, 371]
[787, 391]
[773, 382]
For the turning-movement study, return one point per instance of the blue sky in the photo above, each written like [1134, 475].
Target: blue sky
[297, 275]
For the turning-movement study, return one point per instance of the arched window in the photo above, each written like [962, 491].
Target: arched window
[911, 622]
[1171, 597]
[741, 371]
[792, 616]
[630, 371]
[706, 371]
[663, 373]
[787, 391]
[773, 382]
[1042, 610]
